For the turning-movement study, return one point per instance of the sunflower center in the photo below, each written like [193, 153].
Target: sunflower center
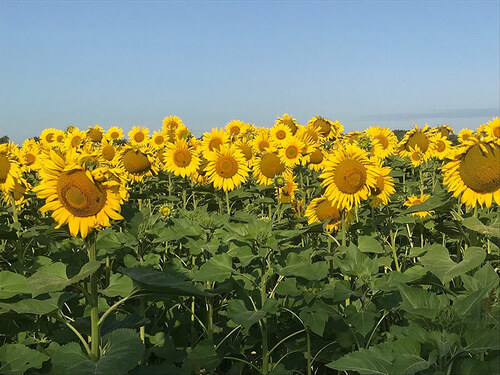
[246, 150]
[182, 157]
[379, 186]
[324, 126]
[350, 176]
[235, 130]
[115, 135]
[4, 168]
[226, 166]
[440, 146]
[49, 137]
[325, 211]
[139, 137]
[263, 145]
[292, 152]
[280, 134]
[415, 156]
[444, 132]
[384, 142]
[60, 138]
[183, 134]
[215, 143]
[75, 141]
[29, 158]
[79, 195]
[270, 165]
[136, 162]
[480, 171]
[316, 157]
[417, 139]
[496, 132]
[159, 140]
[95, 135]
[108, 152]
[291, 125]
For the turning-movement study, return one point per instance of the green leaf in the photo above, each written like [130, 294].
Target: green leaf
[238, 313]
[464, 305]
[368, 244]
[433, 203]
[38, 306]
[217, 268]
[16, 359]
[406, 364]
[123, 349]
[420, 302]
[437, 260]
[119, 285]
[314, 318]
[365, 361]
[480, 341]
[357, 263]
[12, 284]
[473, 223]
[485, 277]
[299, 267]
[362, 321]
[88, 269]
[202, 359]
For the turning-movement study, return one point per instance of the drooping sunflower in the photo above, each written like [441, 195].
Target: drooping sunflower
[493, 130]
[288, 121]
[137, 163]
[279, 134]
[138, 136]
[291, 152]
[316, 159]
[114, 134]
[327, 128]
[310, 134]
[213, 140]
[474, 173]
[108, 153]
[464, 135]
[261, 142]
[414, 200]
[416, 137]
[95, 133]
[158, 140]
[267, 166]
[348, 176]
[227, 168]
[10, 170]
[383, 141]
[384, 186]
[322, 209]
[441, 146]
[83, 199]
[18, 193]
[180, 159]
[445, 130]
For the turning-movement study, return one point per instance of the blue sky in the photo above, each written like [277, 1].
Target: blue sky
[364, 63]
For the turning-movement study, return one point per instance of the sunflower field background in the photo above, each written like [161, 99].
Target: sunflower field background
[295, 249]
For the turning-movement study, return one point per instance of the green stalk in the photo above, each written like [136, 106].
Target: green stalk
[393, 248]
[228, 206]
[343, 229]
[308, 353]
[184, 201]
[421, 179]
[210, 315]
[263, 328]
[14, 208]
[94, 300]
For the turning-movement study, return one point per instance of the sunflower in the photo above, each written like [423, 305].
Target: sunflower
[74, 139]
[114, 134]
[227, 168]
[246, 148]
[261, 142]
[286, 193]
[235, 128]
[29, 155]
[137, 163]
[213, 140]
[18, 193]
[158, 140]
[383, 141]
[316, 159]
[441, 146]
[288, 121]
[279, 134]
[417, 157]
[414, 200]
[95, 133]
[182, 132]
[322, 209]
[475, 173]
[83, 199]
[384, 186]
[464, 135]
[48, 137]
[180, 159]
[107, 153]
[327, 128]
[416, 137]
[348, 176]
[445, 130]
[171, 123]
[291, 152]
[493, 130]
[59, 137]
[267, 166]
[309, 134]
[138, 136]
[200, 176]
[352, 138]
[9, 166]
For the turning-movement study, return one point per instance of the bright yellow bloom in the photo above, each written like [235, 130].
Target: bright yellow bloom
[384, 186]
[279, 134]
[441, 146]
[288, 121]
[114, 134]
[180, 159]
[464, 135]
[18, 193]
[10, 170]
[236, 128]
[268, 166]
[74, 139]
[261, 142]
[321, 209]
[327, 128]
[414, 200]
[138, 136]
[227, 168]
[416, 137]
[286, 193]
[493, 130]
[158, 140]
[95, 133]
[182, 132]
[171, 123]
[383, 141]
[137, 163]
[213, 140]
[290, 153]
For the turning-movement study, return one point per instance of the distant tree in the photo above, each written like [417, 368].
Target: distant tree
[400, 133]
[4, 139]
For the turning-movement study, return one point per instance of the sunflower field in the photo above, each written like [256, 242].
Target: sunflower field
[295, 249]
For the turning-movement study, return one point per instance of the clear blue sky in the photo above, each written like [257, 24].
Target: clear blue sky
[364, 63]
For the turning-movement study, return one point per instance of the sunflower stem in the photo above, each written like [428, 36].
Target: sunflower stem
[14, 208]
[184, 186]
[227, 203]
[393, 248]
[94, 299]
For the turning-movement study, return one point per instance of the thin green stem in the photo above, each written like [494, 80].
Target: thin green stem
[77, 333]
[14, 208]
[113, 308]
[263, 328]
[286, 338]
[228, 206]
[308, 352]
[393, 248]
[94, 299]
[245, 362]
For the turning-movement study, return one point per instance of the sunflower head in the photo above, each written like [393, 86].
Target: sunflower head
[291, 151]
[493, 130]
[214, 140]
[227, 168]
[95, 133]
[114, 134]
[414, 200]
[267, 166]
[181, 159]
[137, 163]
[171, 123]
[158, 140]
[288, 121]
[322, 209]
[138, 136]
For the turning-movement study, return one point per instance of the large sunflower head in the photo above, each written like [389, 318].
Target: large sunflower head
[267, 166]
[279, 134]
[348, 176]
[81, 198]
[288, 121]
[10, 170]
[475, 173]
[214, 140]
[227, 168]
[383, 141]
[416, 137]
[322, 209]
[414, 200]
[181, 159]
[325, 127]
[114, 134]
[138, 136]
[384, 185]
[137, 163]
[291, 152]
[95, 133]
[441, 146]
